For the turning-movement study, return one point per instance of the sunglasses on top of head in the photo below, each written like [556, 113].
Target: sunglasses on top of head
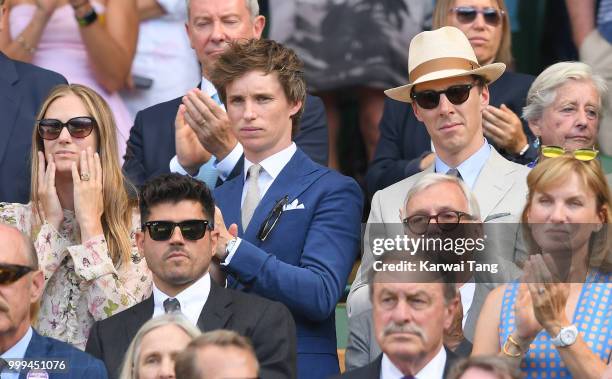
[78, 127]
[585, 155]
[11, 273]
[191, 230]
[429, 99]
[467, 15]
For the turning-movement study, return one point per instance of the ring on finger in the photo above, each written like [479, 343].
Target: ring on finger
[85, 176]
[541, 290]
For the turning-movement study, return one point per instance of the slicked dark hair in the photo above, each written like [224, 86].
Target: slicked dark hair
[173, 188]
[269, 57]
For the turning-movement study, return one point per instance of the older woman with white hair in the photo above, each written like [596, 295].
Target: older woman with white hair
[152, 351]
[564, 109]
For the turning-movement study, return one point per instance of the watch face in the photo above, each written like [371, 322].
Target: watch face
[568, 336]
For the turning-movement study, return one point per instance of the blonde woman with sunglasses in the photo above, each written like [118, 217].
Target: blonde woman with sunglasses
[564, 109]
[79, 216]
[557, 320]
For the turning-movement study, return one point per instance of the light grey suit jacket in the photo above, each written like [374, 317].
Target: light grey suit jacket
[501, 191]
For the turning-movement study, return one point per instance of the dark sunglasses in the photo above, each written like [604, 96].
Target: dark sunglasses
[429, 99]
[467, 15]
[270, 221]
[11, 273]
[78, 127]
[446, 221]
[191, 230]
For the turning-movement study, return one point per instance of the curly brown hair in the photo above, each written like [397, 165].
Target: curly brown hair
[269, 57]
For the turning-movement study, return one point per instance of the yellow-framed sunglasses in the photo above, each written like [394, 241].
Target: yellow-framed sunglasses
[550, 151]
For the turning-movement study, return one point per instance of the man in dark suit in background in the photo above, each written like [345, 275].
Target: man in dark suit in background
[409, 322]
[154, 140]
[179, 259]
[21, 285]
[23, 88]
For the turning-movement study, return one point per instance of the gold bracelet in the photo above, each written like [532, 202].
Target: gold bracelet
[512, 341]
[26, 46]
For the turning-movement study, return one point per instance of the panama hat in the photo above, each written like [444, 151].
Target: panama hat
[442, 53]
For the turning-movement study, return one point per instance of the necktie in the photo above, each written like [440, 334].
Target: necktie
[171, 305]
[454, 172]
[252, 198]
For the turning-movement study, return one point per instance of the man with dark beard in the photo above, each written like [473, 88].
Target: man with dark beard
[179, 259]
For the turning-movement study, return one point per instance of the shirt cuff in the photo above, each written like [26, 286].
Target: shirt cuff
[225, 166]
[176, 167]
[231, 253]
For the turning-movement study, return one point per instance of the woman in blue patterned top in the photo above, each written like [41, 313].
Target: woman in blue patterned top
[557, 322]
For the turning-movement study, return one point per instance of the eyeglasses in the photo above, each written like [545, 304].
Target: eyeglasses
[429, 99]
[272, 219]
[550, 151]
[467, 15]
[446, 221]
[191, 230]
[78, 127]
[11, 273]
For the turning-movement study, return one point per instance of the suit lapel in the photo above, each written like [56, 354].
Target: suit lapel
[216, 312]
[37, 348]
[292, 181]
[141, 313]
[492, 183]
[231, 210]
[9, 100]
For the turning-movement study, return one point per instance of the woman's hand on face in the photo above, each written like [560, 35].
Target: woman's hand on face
[549, 296]
[88, 200]
[504, 128]
[48, 201]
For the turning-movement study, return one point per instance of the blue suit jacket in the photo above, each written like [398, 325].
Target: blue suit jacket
[23, 88]
[151, 144]
[404, 139]
[78, 363]
[306, 259]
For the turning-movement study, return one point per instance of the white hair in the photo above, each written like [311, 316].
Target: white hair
[252, 6]
[543, 90]
[431, 179]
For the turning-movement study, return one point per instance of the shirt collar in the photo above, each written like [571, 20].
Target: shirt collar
[275, 163]
[208, 87]
[470, 168]
[196, 293]
[18, 350]
[434, 369]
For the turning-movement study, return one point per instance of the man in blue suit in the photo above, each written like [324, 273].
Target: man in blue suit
[295, 225]
[21, 285]
[156, 146]
[23, 88]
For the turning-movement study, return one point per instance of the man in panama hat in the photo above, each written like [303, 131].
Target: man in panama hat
[448, 91]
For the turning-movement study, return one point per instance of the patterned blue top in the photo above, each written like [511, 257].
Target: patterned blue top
[593, 318]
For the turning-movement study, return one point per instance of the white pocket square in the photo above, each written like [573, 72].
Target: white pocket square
[293, 205]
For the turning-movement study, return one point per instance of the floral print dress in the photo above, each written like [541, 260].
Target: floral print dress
[81, 283]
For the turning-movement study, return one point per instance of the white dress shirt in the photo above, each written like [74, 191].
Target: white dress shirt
[17, 351]
[434, 369]
[192, 299]
[271, 167]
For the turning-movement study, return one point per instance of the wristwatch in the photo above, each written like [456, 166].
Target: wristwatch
[566, 337]
[230, 245]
